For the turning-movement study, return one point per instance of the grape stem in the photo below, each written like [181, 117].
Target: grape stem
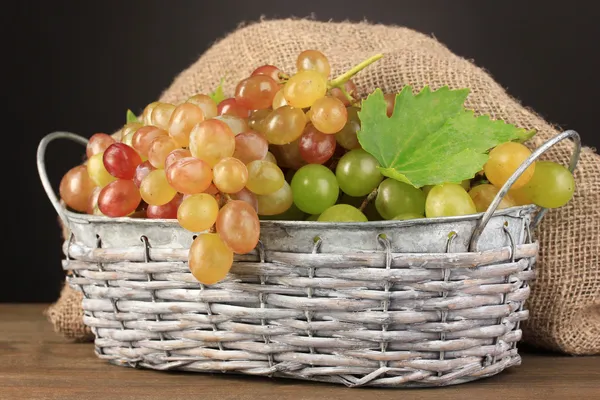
[346, 76]
[368, 199]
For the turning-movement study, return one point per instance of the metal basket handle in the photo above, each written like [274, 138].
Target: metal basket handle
[41, 166]
[505, 188]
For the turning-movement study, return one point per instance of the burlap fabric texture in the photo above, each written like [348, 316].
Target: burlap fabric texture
[565, 299]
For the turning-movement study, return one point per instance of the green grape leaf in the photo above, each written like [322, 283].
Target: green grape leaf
[430, 137]
[131, 117]
[218, 95]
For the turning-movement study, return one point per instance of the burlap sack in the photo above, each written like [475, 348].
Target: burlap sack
[565, 299]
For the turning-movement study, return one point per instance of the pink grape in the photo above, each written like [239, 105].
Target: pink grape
[231, 106]
[238, 226]
[121, 161]
[316, 147]
[189, 175]
[250, 146]
[119, 198]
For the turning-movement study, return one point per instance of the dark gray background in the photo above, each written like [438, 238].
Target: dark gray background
[78, 66]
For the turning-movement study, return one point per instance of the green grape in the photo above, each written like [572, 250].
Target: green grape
[395, 197]
[342, 213]
[551, 186]
[314, 188]
[314, 217]
[447, 200]
[357, 173]
[466, 184]
[405, 216]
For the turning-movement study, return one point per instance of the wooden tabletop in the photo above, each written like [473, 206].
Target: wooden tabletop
[35, 363]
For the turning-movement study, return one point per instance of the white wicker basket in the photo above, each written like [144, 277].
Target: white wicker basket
[428, 302]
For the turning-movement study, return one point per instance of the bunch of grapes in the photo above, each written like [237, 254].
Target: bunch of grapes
[284, 147]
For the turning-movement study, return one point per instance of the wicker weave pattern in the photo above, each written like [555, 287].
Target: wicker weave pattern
[372, 318]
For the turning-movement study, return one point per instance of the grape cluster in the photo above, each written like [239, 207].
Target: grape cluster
[284, 147]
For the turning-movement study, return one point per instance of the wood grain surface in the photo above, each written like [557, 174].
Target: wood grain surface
[36, 363]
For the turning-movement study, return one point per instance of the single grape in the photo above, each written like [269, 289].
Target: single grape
[447, 200]
[212, 141]
[92, 205]
[270, 158]
[284, 125]
[347, 137]
[503, 162]
[466, 184]
[209, 258]
[166, 211]
[119, 198]
[551, 186]
[160, 147]
[278, 100]
[313, 60]
[350, 88]
[189, 175]
[304, 88]
[198, 212]
[484, 194]
[141, 171]
[269, 70]
[231, 106]
[143, 137]
[288, 155]
[314, 188]
[230, 175]
[405, 216]
[238, 226]
[127, 132]
[390, 101]
[236, 124]
[147, 113]
[121, 160]
[264, 177]
[316, 147]
[175, 155]
[161, 115]
[291, 214]
[357, 173]
[250, 146]
[342, 213]
[256, 92]
[328, 115]
[155, 189]
[395, 197]
[206, 104]
[97, 170]
[257, 119]
[247, 196]
[184, 118]
[277, 202]
[98, 143]
[76, 187]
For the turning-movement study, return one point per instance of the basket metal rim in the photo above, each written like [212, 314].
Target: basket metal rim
[517, 211]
